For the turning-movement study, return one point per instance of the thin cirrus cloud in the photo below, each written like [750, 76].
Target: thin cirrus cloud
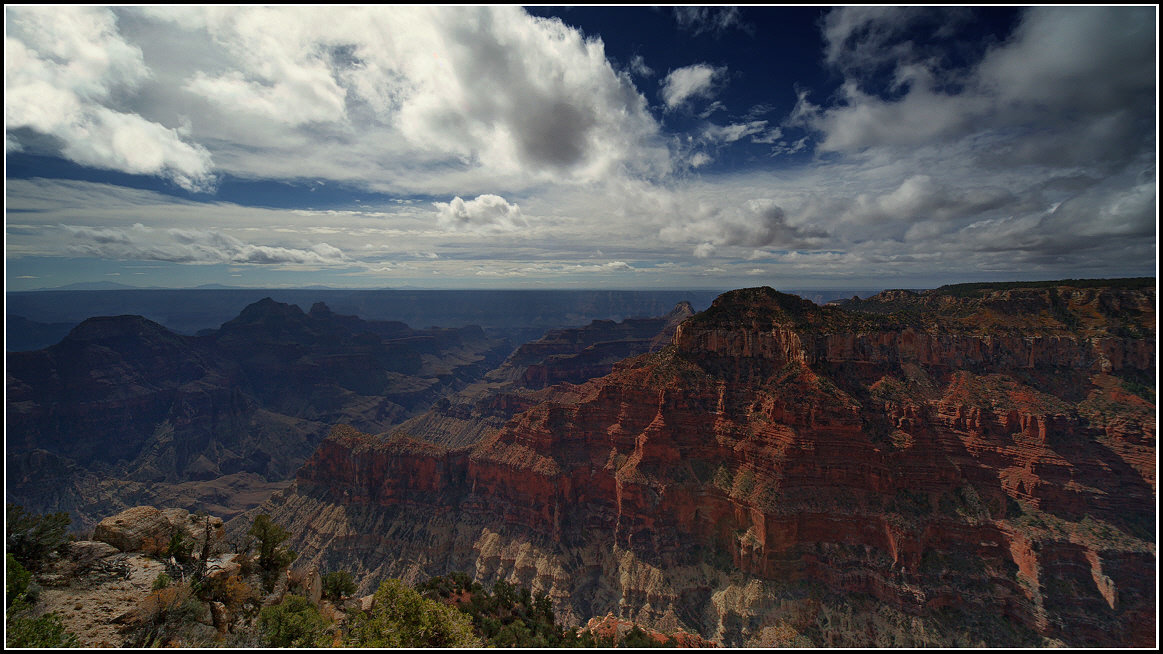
[190, 246]
[715, 20]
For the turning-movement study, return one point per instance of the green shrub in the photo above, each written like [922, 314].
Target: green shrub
[16, 580]
[295, 622]
[44, 631]
[510, 616]
[181, 546]
[162, 581]
[401, 617]
[31, 538]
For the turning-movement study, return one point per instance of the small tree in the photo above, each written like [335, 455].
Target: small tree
[181, 547]
[271, 555]
[337, 585]
[161, 581]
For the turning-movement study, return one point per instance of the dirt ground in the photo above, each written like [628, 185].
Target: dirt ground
[89, 601]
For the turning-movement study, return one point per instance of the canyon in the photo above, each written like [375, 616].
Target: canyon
[968, 466]
[124, 412]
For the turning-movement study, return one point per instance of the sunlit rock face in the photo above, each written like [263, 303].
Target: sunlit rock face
[969, 466]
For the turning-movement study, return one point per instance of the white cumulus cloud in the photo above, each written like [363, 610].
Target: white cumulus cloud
[487, 212]
[66, 72]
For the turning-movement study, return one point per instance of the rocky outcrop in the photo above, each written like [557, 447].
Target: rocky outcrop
[615, 629]
[785, 473]
[148, 529]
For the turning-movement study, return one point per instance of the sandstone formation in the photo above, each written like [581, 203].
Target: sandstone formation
[145, 528]
[971, 466]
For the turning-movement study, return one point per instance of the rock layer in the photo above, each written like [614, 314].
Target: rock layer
[561, 358]
[946, 470]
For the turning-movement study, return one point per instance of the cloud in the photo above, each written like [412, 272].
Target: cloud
[700, 159]
[638, 67]
[694, 81]
[931, 165]
[712, 108]
[716, 20]
[865, 39]
[1048, 101]
[457, 94]
[735, 131]
[191, 246]
[556, 269]
[67, 71]
[921, 198]
[412, 99]
[751, 224]
[489, 212]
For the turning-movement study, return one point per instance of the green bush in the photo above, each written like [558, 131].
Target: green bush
[31, 538]
[337, 585]
[401, 617]
[44, 631]
[510, 616]
[16, 580]
[161, 581]
[19, 594]
[295, 622]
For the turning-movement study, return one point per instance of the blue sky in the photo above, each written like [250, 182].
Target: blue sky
[597, 147]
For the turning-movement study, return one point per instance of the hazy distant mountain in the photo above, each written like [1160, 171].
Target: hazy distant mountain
[123, 411]
[95, 286]
[189, 311]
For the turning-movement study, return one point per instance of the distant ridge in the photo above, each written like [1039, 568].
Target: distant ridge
[96, 286]
[975, 287]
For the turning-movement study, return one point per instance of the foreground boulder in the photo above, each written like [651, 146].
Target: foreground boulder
[148, 529]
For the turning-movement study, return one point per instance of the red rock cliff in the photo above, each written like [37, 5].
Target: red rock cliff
[999, 486]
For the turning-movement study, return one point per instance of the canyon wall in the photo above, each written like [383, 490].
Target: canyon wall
[949, 468]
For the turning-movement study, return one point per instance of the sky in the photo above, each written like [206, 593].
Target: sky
[584, 147]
